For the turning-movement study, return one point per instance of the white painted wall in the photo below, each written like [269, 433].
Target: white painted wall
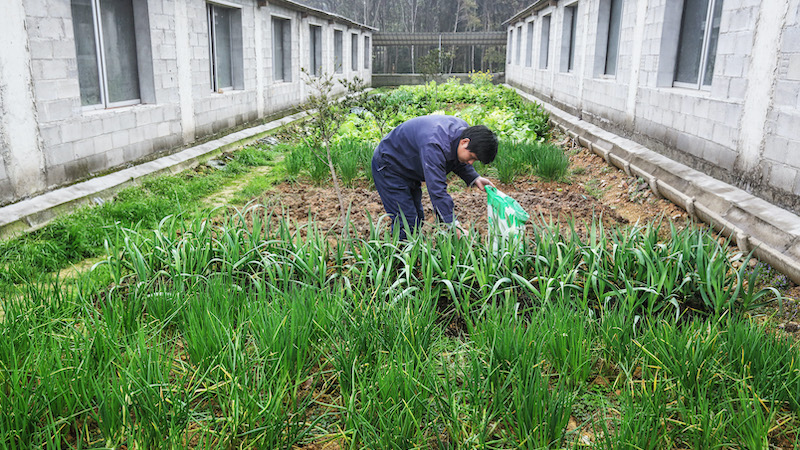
[47, 139]
[743, 130]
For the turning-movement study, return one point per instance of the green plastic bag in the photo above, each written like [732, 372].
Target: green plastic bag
[506, 219]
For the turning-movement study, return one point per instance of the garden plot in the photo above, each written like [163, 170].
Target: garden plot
[616, 324]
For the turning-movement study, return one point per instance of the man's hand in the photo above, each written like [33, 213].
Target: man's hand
[482, 182]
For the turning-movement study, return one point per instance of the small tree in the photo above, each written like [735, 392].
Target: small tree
[326, 116]
[376, 104]
[431, 65]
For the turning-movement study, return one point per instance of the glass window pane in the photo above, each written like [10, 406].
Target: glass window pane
[529, 46]
[614, 25]
[222, 46]
[711, 52]
[573, 29]
[354, 49]
[338, 37]
[509, 47]
[277, 48]
[119, 44]
[86, 50]
[545, 43]
[519, 45]
[287, 50]
[367, 49]
[693, 25]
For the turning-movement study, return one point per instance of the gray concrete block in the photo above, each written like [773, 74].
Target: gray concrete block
[120, 139]
[793, 69]
[783, 177]
[41, 49]
[57, 155]
[72, 131]
[57, 110]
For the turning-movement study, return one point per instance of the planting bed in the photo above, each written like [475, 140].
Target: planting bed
[615, 324]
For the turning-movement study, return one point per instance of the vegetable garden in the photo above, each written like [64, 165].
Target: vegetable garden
[256, 328]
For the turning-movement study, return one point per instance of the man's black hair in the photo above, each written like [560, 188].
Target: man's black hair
[482, 142]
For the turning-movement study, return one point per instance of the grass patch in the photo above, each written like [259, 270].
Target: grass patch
[219, 333]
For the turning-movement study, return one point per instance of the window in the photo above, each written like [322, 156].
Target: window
[105, 44]
[367, 49]
[281, 49]
[568, 38]
[517, 59]
[612, 40]
[225, 47]
[338, 38]
[544, 50]
[354, 51]
[697, 47]
[510, 49]
[609, 24]
[529, 46]
[315, 50]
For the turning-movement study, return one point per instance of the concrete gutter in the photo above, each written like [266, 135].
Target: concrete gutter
[34, 213]
[772, 233]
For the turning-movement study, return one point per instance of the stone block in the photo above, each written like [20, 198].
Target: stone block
[56, 110]
[41, 48]
[787, 125]
[84, 148]
[783, 177]
[120, 138]
[51, 134]
[49, 28]
[737, 89]
[49, 69]
[102, 143]
[775, 149]
[56, 155]
[72, 131]
[115, 157]
[56, 175]
[793, 70]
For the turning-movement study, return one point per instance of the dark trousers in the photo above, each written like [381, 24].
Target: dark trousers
[401, 197]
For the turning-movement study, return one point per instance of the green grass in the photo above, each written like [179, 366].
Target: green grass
[244, 331]
[227, 333]
[74, 237]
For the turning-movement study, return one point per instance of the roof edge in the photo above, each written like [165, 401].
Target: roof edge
[317, 12]
[535, 6]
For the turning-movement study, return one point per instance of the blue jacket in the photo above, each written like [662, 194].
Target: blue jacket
[424, 149]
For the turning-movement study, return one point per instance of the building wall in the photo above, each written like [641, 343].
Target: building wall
[741, 129]
[47, 139]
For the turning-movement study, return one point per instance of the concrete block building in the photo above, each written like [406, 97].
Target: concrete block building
[712, 84]
[87, 86]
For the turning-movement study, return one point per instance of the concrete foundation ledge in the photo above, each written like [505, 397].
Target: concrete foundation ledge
[35, 212]
[771, 232]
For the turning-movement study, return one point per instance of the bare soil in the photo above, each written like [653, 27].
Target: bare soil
[593, 190]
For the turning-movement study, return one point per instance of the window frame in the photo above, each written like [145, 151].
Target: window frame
[703, 65]
[315, 50]
[618, 32]
[367, 53]
[338, 51]
[529, 45]
[282, 51]
[213, 51]
[102, 69]
[518, 50]
[544, 41]
[569, 36]
[354, 52]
